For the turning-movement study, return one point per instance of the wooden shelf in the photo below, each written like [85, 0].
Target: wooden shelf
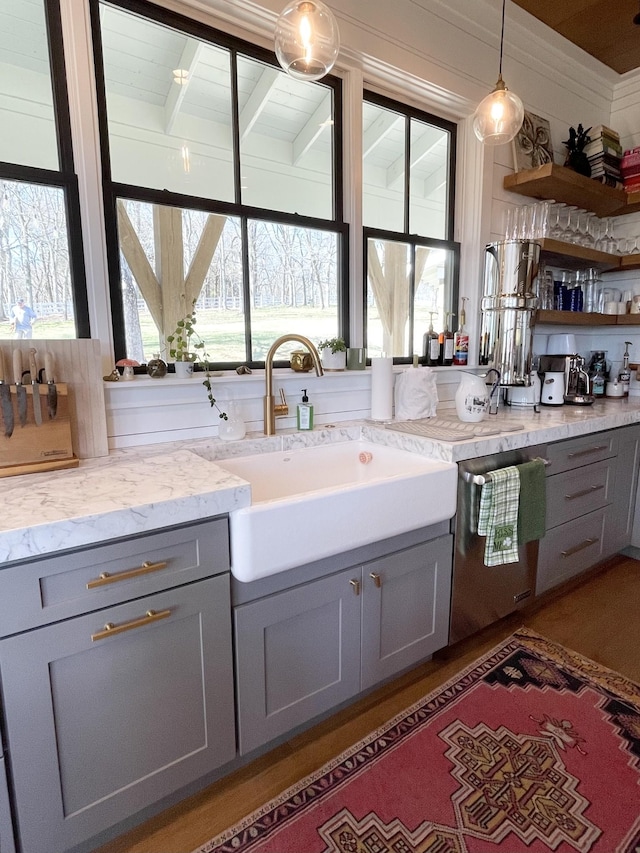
[582, 318]
[561, 184]
[570, 256]
[630, 262]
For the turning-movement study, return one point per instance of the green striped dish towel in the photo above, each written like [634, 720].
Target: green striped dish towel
[498, 516]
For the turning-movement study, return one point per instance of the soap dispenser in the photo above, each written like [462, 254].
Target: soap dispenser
[305, 412]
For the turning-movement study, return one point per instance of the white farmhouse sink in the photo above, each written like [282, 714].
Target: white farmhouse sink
[313, 502]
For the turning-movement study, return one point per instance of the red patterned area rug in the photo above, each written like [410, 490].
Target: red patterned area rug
[532, 748]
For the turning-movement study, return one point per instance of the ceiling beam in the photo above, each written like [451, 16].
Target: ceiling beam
[188, 62]
[257, 100]
[429, 140]
[312, 128]
[377, 131]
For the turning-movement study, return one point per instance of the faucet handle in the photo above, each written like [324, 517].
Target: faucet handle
[281, 409]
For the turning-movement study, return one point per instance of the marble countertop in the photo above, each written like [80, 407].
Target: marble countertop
[147, 488]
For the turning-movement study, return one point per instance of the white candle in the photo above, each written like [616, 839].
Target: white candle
[381, 389]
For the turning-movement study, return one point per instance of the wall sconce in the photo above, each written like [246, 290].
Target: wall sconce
[307, 40]
[498, 117]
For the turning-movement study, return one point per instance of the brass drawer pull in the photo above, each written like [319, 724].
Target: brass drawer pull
[571, 551]
[377, 580]
[105, 578]
[355, 586]
[110, 630]
[588, 450]
[584, 492]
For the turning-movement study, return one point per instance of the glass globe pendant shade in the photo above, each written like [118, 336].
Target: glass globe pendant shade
[499, 116]
[307, 39]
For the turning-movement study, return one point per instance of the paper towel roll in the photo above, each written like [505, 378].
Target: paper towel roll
[381, 389]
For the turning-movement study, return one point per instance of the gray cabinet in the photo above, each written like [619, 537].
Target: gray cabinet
[305, 650]
[297, 655]
[109, 711]
[591, 486]
[620, 514]
[405, 609]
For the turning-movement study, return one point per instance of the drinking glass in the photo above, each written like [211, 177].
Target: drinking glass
[586, 238]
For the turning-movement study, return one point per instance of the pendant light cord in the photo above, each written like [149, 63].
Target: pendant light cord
[504, 3]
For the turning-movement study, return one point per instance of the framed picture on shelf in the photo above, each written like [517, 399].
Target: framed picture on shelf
[532, 145]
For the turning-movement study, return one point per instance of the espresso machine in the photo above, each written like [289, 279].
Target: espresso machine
[577, 383]
[508, 308]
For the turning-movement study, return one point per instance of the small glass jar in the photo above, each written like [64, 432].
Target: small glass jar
[156, 368]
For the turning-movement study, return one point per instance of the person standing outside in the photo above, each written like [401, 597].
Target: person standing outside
[22, 319]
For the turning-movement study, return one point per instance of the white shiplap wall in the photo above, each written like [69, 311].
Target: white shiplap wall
[439, 54]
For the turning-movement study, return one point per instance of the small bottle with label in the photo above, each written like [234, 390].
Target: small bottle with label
[305, 412]
[430, 344]
[598, 383]
[445, 339]
[461, 339]
[624, 376]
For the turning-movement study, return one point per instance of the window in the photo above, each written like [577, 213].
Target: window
[41, 258]
[222, 188]
[411, 260]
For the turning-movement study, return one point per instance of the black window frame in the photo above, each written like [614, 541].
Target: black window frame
[415, 240]
[113, 190]
[65, 177]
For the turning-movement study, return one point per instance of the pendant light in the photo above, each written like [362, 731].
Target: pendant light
[307, 39]
[498, 117]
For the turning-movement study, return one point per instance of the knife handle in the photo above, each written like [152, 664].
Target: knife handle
[48, 366]
[17, 367]
[33, 370]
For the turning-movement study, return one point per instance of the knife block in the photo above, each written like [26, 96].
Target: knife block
[32, 447]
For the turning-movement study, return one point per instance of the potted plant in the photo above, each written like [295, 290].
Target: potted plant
[188, 349]
[333, 353]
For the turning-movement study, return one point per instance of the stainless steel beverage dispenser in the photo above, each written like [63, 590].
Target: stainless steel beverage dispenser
[508, 308]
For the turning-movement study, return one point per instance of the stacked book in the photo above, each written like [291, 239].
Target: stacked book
[630, 167]
[605, 154]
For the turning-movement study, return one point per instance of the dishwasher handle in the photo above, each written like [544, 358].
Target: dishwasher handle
[481, 479]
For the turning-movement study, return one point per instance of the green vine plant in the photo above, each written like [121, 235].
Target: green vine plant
[185, 344]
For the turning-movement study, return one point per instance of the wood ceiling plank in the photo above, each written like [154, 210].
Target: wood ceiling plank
[603, 29]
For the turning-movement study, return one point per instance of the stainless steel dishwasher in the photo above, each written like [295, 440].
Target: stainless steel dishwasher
[483, 594]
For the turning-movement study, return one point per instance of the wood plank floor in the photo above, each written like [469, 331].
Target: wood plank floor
[598, 618]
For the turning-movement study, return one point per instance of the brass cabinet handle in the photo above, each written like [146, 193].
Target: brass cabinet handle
[110, 630]
[584, 492]
[105, 578]
[588, 450]
[377, 580]
[355, 586]
[570, 551]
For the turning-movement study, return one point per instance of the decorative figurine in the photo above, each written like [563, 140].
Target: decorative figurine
[576, 157]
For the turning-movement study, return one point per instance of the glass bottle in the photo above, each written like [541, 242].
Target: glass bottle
[430, 344]
[156, 368]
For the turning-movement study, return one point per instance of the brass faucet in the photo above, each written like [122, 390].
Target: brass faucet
[271, 410]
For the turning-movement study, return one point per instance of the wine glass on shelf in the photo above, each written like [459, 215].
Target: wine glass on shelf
[555, 218]
[586, 237]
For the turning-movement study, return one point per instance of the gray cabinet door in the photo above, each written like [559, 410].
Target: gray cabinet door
[297, 655]
[405, 609]
[619, 521]
[102, 722]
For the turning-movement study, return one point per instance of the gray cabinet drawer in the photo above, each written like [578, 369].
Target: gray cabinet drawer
[570, 549]
[579, 491]
[565, 455]
[103, 723]
[44, 591]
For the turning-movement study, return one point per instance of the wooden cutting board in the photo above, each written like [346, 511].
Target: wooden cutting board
[33, 447]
